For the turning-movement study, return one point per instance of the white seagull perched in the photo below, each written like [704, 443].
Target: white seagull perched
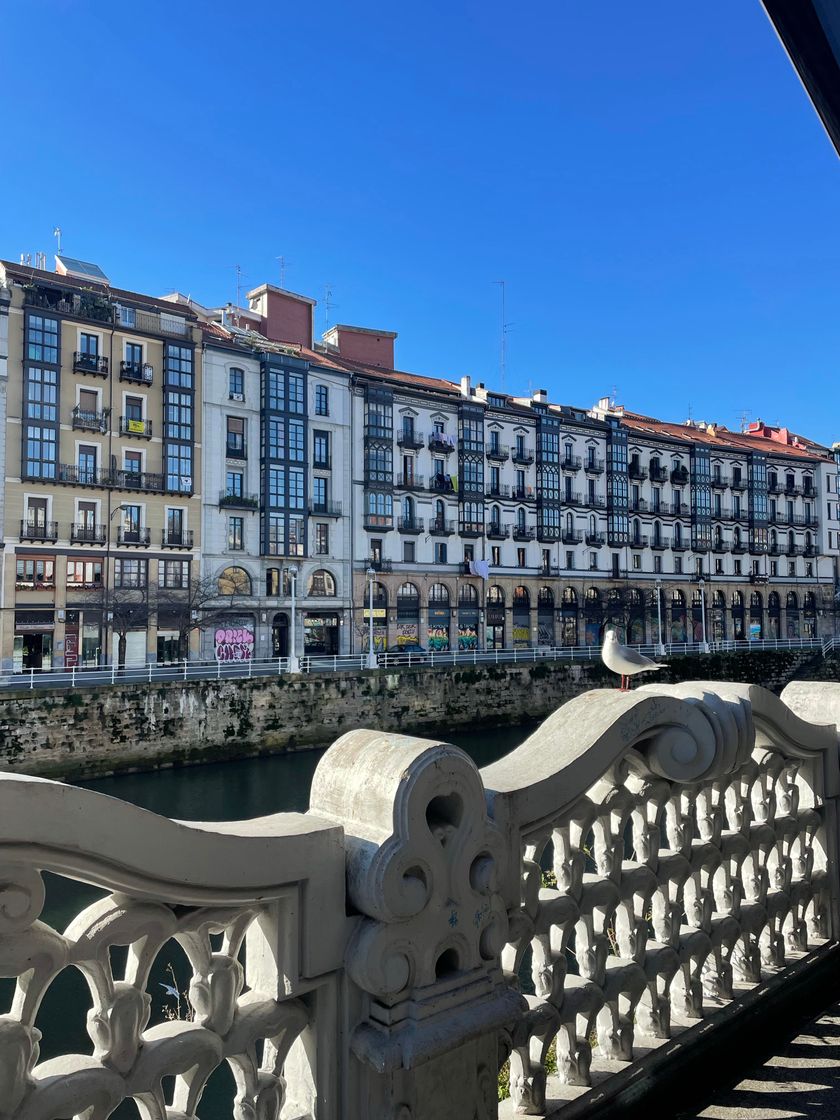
[624, 660]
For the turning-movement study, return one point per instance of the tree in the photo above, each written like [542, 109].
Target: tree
[123, 609]
[204, 602]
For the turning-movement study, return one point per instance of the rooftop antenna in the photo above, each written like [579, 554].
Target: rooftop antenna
[57, 236]
[746, 413]
[282, 262]
[503, 335]
[614, 393]
[328, 304]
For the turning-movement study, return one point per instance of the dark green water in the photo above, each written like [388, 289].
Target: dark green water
[222, 791]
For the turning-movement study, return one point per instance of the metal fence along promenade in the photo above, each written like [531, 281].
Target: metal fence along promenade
[89, 676]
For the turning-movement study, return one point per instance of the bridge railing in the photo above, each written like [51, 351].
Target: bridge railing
[642, 863]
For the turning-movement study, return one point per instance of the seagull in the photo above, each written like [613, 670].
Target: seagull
[624, 660]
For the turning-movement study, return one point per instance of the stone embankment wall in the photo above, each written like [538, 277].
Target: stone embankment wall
[88, 732]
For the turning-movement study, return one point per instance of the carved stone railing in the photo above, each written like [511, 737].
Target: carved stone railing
[645, 860]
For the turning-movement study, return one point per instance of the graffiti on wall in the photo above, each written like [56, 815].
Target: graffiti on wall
[234, 644]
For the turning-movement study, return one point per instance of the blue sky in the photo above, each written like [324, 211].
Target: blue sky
[649, 179]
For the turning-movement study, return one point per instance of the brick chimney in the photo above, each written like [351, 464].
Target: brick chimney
[286, 316]
[358, 344]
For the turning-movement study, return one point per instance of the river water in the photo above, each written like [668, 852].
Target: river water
[215, 792]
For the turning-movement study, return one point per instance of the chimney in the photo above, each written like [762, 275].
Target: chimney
[540, 396]
[286, 316]
[465, 386]
[359, 344]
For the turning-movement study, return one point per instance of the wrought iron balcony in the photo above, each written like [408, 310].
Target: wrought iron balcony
[721, 546]
[86, 421]
[137, 480]
[637, 472]
[638, 542]
[496, 531]
[523, 533]
[738, 483]
[379, 565]
[497, 453]
[88, 534]
[720, 482]
[83, 476]
[410, 482]
[679, 545]
[523, 494]
[441, 484]
[138, 373]
[441, 527]
[471, 528]
[570, 463]
[499, 491]
[658, 474]
[594, 540]
[639, 506]
[38, 530]
[130, 426]
[140, 538]
[595, 501]
[594, 466]
[408, 437]
[739, 547]
[679, 476]
[659, 544]
[571, 536]
[182, 538]
[325, 509]
[523, 457]
[442, 443]
[90, 363]
[230, 499]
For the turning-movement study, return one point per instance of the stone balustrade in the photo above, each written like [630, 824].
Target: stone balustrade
[644, 861]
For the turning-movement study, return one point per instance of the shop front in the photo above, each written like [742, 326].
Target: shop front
[521, 618]
[439, 629]
[321, 633]
[408, 616]
[545, 617]
[82, 638]
[234, 641]
[169, 648]
[33, 642]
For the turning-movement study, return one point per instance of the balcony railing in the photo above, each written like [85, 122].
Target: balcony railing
[497, 532]
[638, 542]
[572, 498]
[522, 457]
[497, 453]
[738, 483]
[523, 494]
[136, 480]
[441, 527]
[180, 538]
[325, 509]
[130, 426]
[679, 476]
[90, 363]
[658, 474]
[88, 534]
[86, 421]
[659, 544]
[441, 443]
[721, 546]
[679, 545]
[471, 528]
[595, 501]
[739, 547]
[441, 484]
[637, 472]
[410, 438]
[571, 536]
[238, 501]
[138, 373]
[720, 482]
[83, 476]
[523, 533]
[141, 538]
[639, 506]
[571, 463]
[82, 305]
[500, 491]
[594, 466]
[594, 540]
[378, 565]
[152, 322]
[38, 530]
[410, 482]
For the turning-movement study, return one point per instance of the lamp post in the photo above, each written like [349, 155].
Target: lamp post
[701, 583]
[660, 649]
[294, 660]
[106, 651]
[371, 657]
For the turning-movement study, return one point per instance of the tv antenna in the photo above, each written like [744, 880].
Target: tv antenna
[744, 418]
[240, 276]
[328, 303]
[503, 331]
[281, 260]
[57, 236]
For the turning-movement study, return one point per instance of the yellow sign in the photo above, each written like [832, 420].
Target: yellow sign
[378, 612]
[137, 426]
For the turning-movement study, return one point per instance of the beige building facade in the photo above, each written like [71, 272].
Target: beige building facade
[102, 513]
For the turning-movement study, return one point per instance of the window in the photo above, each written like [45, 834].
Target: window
[42, 339]
[41, 393]
[469, 552]
[236, 533]
[322, 583]
[133, 354]
[593, 561]
[297, 543]
[322, 400]
[657, 564]
[131, 522]
[179, 468]
[234, 581]
[233, 484]
[174, 574]
[276, 390]
[276, 543]
[737, 567]
[87, 463]
[718, 567]
[178, 412]
[133, 409]
[296, 402]
[678, 564]
[321, 447]
[440, 552]
[295, 488]
[520, 558]
[236, 384]
[236, 436]
[408, 552]
[89, 344]
[35, 572]
[41, 451]
[277, 486]
[496, 556]
[130, 573]
[86, 574]
[276, 438]
[319, 495]
[178, 366]
[296, 441]
[791, 568]
[774, 568]
[322, 540]
[637, 562]
[132, 461]
[570, 560]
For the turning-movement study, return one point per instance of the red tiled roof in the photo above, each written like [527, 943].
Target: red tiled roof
[26, 274]
[720, 438]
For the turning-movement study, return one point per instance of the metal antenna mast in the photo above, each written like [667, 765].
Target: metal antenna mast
[57, 236]
[502, 335]
[328, 304]
[282, 262]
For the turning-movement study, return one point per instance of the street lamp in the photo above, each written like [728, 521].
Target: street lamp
[294, 661]
[107, 615]
[701, 583]
[660, 649]
[371, 657]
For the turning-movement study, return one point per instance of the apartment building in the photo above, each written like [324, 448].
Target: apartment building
[102, 470]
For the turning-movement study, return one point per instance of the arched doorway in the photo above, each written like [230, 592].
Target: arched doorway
[635, 617]
[697, 607]
[774, 615]
[718, 617]
[738, 629]
[545, 617]
[521, 617]
[756, 616]
[280, 636]
[679, 632]
[380, 618]
[615, 613]
[439, 617]
[495, 621]
[809, 614]
[467, 617]
[569, 618]
[593, 616]
[792, 615]
[408, 616]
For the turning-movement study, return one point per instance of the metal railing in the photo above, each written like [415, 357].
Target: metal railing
[89, 676]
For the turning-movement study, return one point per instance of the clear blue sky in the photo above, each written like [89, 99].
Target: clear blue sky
[649, 179]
